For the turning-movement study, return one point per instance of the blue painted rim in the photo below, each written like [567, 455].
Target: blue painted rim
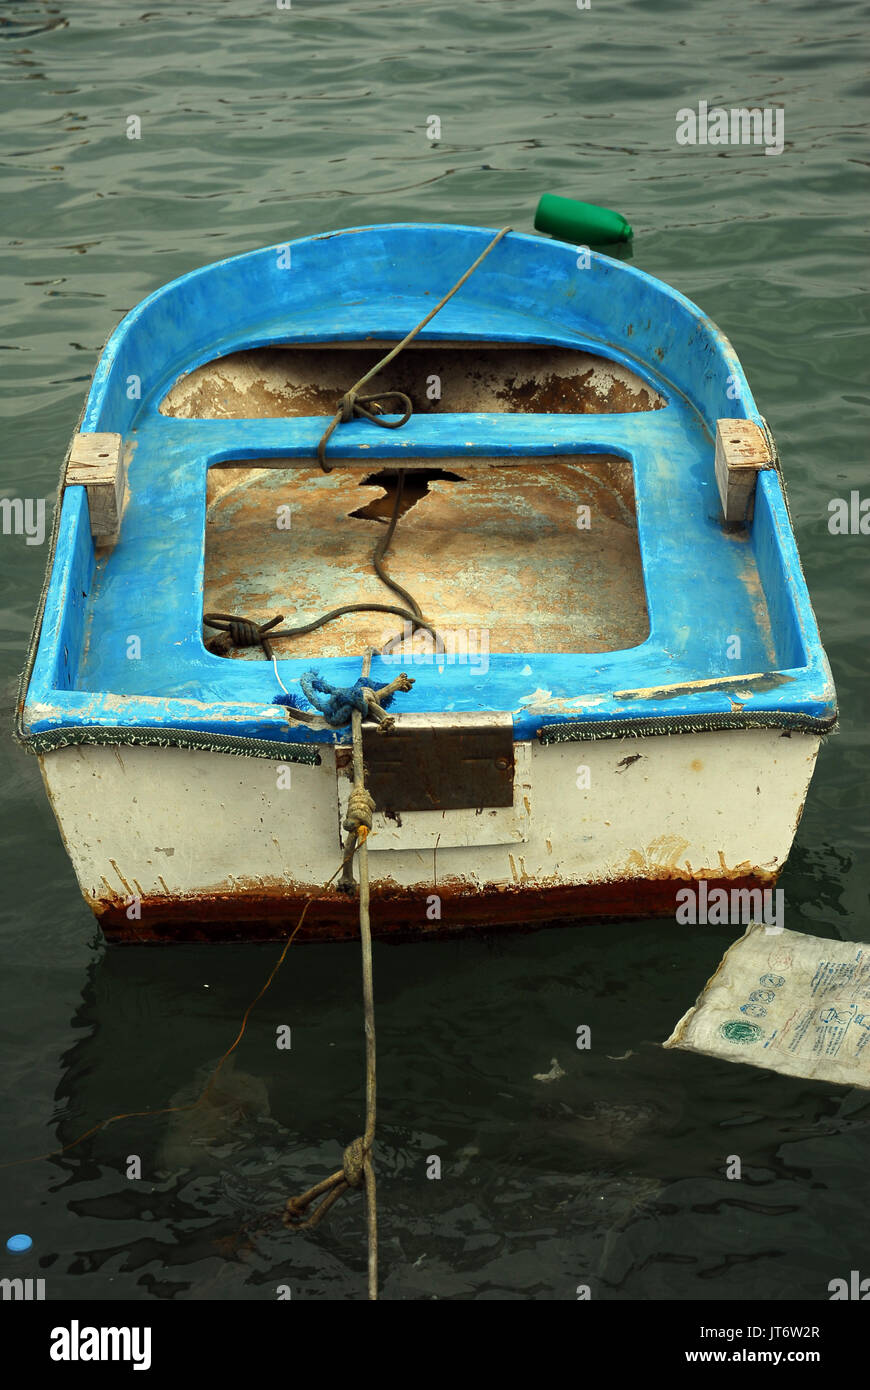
[528, 291]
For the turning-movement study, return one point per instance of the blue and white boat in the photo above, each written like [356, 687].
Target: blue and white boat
[619, 689]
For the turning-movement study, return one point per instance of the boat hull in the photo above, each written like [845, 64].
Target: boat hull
[628, 686]
[172, 844]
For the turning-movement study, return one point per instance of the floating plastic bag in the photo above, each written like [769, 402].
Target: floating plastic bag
[792, 1003]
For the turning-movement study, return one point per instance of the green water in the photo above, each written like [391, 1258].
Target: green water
[258, 125]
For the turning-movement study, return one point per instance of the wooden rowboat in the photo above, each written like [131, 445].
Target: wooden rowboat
[621, 690]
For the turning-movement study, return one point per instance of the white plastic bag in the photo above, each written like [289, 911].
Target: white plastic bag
[793, 1003]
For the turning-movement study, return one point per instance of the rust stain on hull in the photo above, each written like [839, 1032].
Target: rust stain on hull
[398, 914]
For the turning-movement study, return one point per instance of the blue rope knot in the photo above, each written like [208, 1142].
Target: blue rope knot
[335, 703]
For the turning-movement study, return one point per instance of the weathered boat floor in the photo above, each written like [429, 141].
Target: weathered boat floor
[307, 379]
[493, 554]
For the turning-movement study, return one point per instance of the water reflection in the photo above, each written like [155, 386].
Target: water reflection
[610, 1170]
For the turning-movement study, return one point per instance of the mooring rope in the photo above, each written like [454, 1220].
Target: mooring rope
[233, 631]
[352, 403]
[336, 703]
[357, 1166]
[209, 1086]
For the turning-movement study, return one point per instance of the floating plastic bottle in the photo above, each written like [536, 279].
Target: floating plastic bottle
[582, 224]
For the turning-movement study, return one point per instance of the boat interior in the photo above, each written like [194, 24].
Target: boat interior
[560, 512]
[509, 555]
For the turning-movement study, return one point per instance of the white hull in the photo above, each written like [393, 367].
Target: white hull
[169, 843]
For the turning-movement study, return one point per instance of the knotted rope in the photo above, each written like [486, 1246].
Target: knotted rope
[239, 632]
[360, 805]
[352, 403]
[244, 632]
[350, 1175]
[337, 703]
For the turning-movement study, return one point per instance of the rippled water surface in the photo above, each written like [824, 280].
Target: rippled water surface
[260, 124]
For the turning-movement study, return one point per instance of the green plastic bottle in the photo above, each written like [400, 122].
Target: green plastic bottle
[582, 224]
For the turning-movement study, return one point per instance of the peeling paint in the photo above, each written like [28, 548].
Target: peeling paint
[750, 684]
[258, 913]
[508, 533]
[309, 379]
[545, 702]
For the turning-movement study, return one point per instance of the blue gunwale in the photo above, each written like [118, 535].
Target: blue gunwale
[698, 577]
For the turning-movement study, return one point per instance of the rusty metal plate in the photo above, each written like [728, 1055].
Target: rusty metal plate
[452, 762]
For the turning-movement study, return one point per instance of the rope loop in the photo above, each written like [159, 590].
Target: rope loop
[233, 631]
[367, 408]
[370, 408]
[325, 1194]
[352, 404]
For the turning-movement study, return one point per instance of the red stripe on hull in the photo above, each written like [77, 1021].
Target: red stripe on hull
[396, 915]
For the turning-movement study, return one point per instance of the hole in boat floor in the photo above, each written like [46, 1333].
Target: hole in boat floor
[490, 548]
[307, 380]
[414, 489]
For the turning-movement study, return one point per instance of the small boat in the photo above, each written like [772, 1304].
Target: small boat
[573, 538]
